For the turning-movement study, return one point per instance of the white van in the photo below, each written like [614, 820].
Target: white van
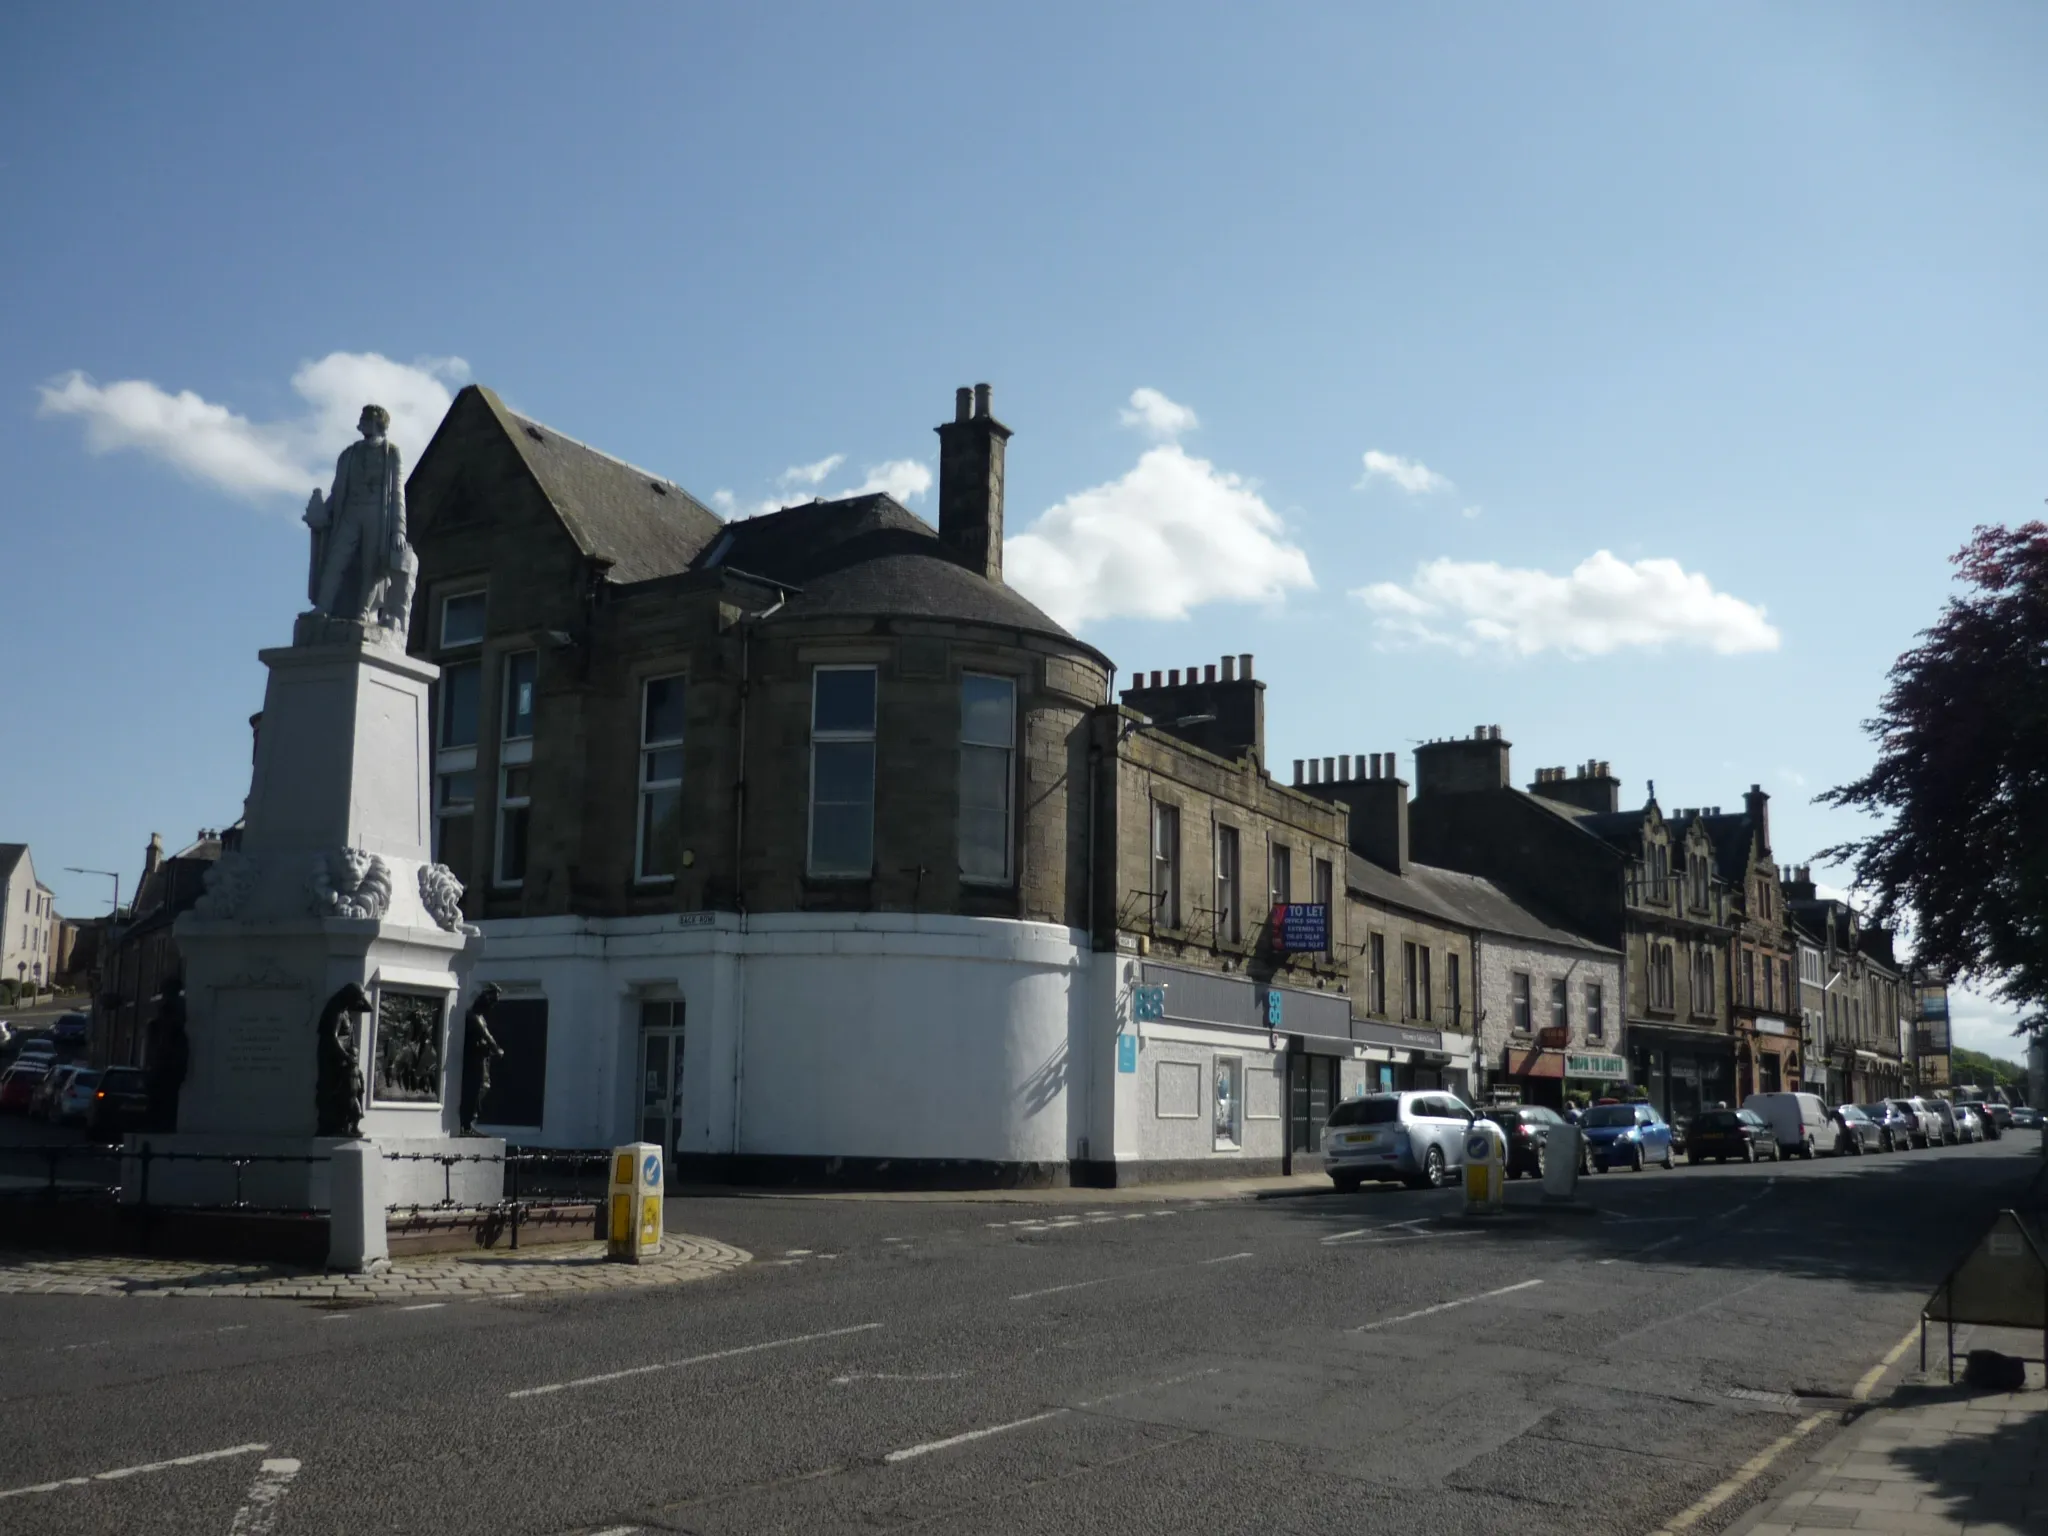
[1800, 1121]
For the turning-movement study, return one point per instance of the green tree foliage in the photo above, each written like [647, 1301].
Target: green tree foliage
[1961, 778]
[1967, 1066]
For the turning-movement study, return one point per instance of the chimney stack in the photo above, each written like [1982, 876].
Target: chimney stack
[1589, 787]
[1758, 804]
[1378, 806]
[1235, 706]
[971, 451]
[1465, 765]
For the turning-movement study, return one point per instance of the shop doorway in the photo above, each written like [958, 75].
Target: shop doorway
[661, 1074]
[1312, 1087]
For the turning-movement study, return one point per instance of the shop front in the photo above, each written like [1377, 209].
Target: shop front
[1766, 1057]
[1682, 1071]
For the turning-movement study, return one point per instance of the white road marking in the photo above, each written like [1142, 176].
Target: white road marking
[617, 1530]
[1078, 1285]
[1227, 1258]
[911, 1451]
[676, 1365]
[258, 1514]
[95, 1344]
[1662, 1242]
[1444, 1306]
[847, 1381]
[797, 1253]
[121, 1472]
[423, 1306]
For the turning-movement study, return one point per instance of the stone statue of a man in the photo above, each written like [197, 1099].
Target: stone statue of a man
[363, 568]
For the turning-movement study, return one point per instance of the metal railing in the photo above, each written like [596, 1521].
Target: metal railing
[536, 1181]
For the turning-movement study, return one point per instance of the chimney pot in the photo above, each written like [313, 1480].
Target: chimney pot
[963, 403]
[1209, 673]
[1297, 772]
[1244, 666]
[972, 450]
[1229, 669]
[981, 400]
[1374, 770]
[1344, 767]
[1173, 678]
[1329, 770]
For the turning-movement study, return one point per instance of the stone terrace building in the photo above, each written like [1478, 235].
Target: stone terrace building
[1764, 1007]
[808, 849]
[1520, 1005]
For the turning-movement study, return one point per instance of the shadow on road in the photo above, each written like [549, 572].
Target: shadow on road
[1879, 1222]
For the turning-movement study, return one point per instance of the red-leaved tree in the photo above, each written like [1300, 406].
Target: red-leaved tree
[1961, 778]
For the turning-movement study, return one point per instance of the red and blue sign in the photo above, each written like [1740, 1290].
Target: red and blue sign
[1301, 927]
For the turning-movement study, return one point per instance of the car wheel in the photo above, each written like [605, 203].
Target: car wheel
[1692, 1159]
[1669, 1161]
[1433, 1172]
[1347, 1183]
[1635, 1158]
[1749, 1151]
[1542, 1168]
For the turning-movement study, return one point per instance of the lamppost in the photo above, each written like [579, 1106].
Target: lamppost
[73, 869]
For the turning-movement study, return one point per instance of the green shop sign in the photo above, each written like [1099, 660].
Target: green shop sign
[1604, 1068]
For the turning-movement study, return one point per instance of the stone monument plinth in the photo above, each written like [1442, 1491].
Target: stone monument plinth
[325, 964]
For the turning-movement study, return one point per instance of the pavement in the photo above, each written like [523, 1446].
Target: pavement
[1937, 1458]
[1685, 1360]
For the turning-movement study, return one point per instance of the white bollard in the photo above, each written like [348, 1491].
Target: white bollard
[355, 1209]
[1561, 1155]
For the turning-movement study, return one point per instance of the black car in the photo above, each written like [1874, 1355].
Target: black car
[1742, 1134]
[121, 1102]
[1527, 1128]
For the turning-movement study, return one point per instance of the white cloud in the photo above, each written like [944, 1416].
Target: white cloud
[1152, 412]
[900, 478]
[223, 448]
[811, 474]
[1472, 511]
[1604, 605]
[1172, 533]
[1410, 475]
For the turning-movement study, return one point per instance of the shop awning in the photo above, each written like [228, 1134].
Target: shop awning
[1534, 1063]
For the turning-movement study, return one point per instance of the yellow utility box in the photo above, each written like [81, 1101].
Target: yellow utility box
[1486, 1168]
[633, 1205]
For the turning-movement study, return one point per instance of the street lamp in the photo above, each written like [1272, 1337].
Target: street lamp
[73, 869]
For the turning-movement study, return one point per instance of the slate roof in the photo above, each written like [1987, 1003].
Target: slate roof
[1469, 901]
[10, 855]
[1732, 837]
[868, 555]
[644, 525]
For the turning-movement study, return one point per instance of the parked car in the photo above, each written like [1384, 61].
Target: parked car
[1856, 1132]
[43, 1104]
[1897, 1125]
[37, 1048]
[120, 1102]
[2000, 1112]
[72, 1033]
[1626, 1136]
[74, 1099]
[1983, 1124]
[1742, 1134]
[1927, 1127]
[2025, 1118]
[18, 1085]
[1955, 1126]
[1528, 1128]
[1800, 1119]
[1416, 1137]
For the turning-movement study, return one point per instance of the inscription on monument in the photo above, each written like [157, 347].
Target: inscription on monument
[409, 1026]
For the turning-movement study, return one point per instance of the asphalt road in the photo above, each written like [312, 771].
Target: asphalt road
[1360, 1362]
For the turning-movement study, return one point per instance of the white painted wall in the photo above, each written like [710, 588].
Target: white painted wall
[864, 1036]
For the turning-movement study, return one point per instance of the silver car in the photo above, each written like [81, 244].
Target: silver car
[1416, 1137]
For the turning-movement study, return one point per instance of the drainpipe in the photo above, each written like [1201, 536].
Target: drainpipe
[739, 845]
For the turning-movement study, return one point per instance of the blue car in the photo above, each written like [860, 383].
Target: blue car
[1626, 1136]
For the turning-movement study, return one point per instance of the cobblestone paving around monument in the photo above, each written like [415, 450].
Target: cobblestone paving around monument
[558, 1269]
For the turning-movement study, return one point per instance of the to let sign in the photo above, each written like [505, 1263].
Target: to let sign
[1301, 927]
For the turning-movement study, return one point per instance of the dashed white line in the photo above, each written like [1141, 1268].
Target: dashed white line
[1227, 1258]
[1078, 1285]
[258, 1514]
[1444, 1306]
[911, 1451]
[121, 1472]
[676, 1365]
[423, 1306]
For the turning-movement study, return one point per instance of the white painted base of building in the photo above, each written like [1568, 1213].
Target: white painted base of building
[877, 1049]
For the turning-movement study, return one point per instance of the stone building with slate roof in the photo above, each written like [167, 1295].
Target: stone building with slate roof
[800, 842]
[1771, 1052]
[28, 920]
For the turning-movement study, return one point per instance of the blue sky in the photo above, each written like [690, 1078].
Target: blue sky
[1746, 297]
